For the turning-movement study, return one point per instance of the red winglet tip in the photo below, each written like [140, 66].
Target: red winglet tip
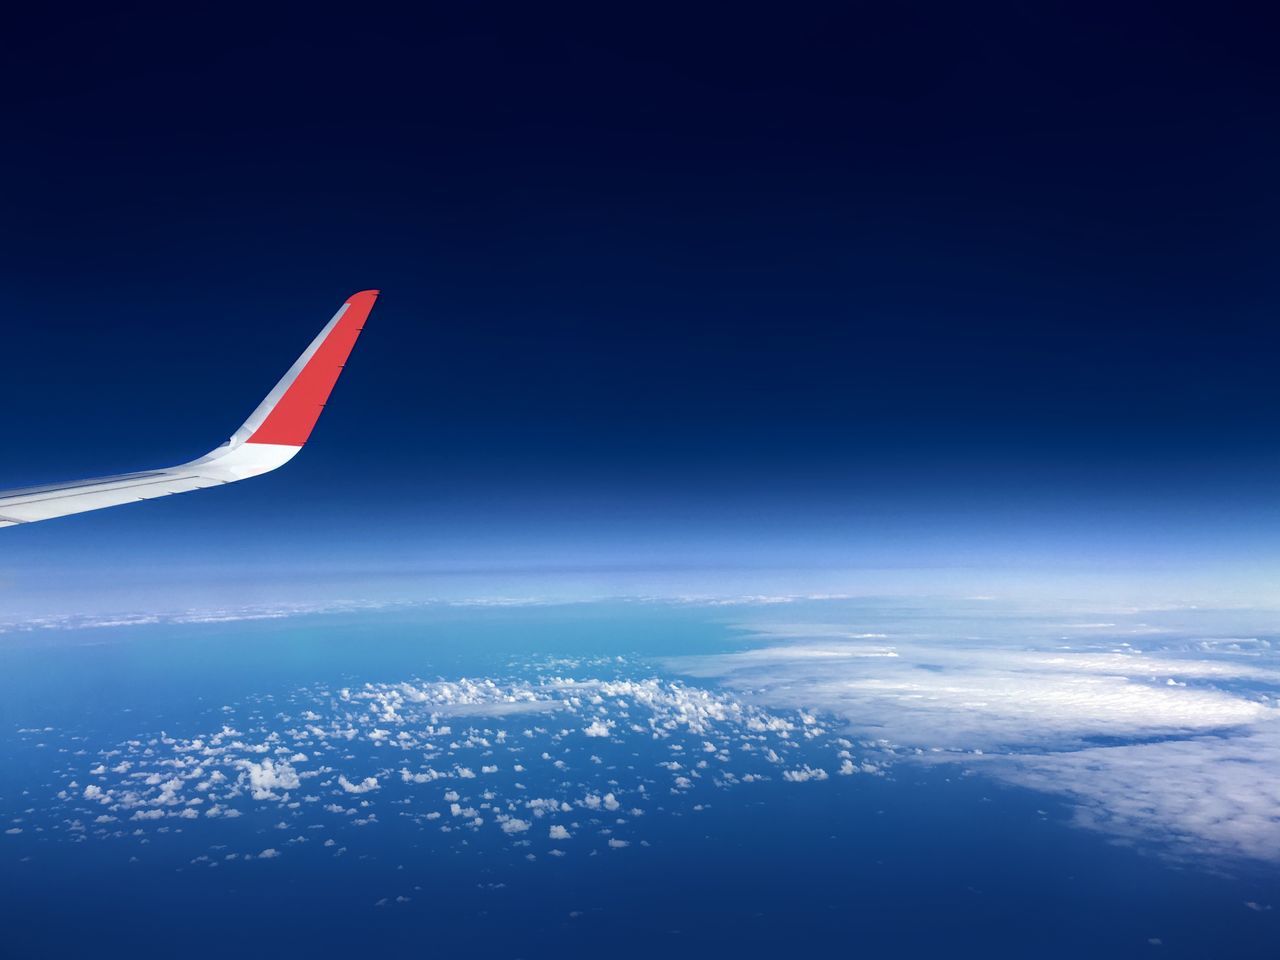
[291, 420]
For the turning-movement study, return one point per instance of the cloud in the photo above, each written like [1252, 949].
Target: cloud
[804, 774]
[964, 696]
[251, 755]
[364, 786]
[1193, 753]
[1203, 795]
[268, 776]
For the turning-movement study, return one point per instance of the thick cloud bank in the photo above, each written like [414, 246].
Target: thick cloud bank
[1175, 740]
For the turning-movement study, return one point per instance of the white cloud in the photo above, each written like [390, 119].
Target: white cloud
[168, 777]
[1033, 710]
[1199, 795]
[268, 776]
[598, 728]
[961, 696]
[364, 786]
[804, 774]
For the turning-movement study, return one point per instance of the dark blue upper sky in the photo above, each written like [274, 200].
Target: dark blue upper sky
[920, 286]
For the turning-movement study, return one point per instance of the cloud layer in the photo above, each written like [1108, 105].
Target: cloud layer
[555, 764]
[1177, 742]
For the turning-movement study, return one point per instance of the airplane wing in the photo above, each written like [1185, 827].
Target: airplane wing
[270, 438]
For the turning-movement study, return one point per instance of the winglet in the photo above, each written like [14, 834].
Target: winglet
[289, 412]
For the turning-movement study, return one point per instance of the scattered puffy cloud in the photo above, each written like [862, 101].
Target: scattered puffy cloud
[597, 728]
[804, 774]
[364, 786]
[412, 734]
[267, 776]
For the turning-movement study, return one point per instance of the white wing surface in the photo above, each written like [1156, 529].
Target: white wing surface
[270, 438]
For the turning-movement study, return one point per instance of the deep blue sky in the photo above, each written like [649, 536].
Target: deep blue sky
[917, 287]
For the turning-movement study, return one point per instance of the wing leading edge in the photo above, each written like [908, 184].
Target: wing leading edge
[270, 438]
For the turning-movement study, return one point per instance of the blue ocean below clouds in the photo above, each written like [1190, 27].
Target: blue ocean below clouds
[799, 778]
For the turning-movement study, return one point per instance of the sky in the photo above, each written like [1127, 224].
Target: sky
[921, 299]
